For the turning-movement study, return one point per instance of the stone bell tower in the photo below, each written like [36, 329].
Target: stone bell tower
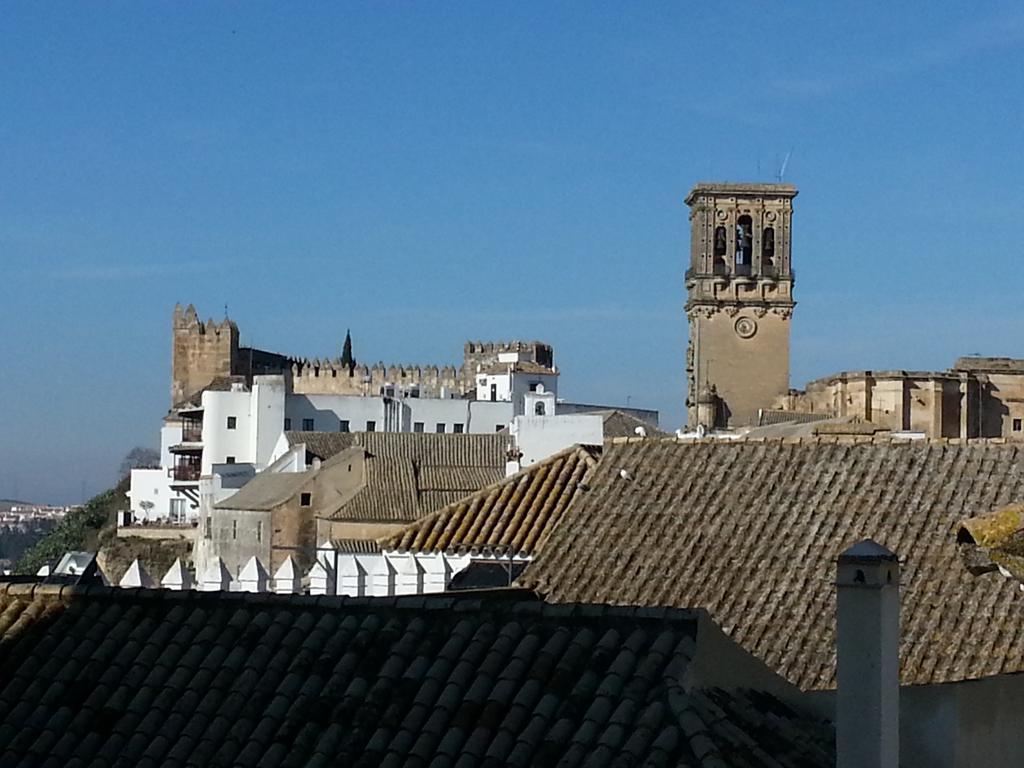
[739, 301]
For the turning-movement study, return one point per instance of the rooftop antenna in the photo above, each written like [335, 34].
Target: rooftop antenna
[225, 310]
[782, 168]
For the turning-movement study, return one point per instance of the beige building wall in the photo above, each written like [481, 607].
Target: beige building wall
[746, 357]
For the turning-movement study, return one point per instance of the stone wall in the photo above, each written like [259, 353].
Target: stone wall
[330, 377]
[954, 403]
[200, 352]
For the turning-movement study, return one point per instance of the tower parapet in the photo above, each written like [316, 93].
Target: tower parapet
[200, 352]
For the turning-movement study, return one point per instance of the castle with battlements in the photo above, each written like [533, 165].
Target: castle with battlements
[203, 352]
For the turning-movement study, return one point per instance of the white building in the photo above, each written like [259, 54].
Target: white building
[233, 423]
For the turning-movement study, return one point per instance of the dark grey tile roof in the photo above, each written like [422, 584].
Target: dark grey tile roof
[750, 531]
[409, 475]
[153, 678]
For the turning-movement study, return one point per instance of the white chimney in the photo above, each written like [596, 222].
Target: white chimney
[868, 657]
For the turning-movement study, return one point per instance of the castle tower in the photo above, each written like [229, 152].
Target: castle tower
[200, 352]
[739, 299]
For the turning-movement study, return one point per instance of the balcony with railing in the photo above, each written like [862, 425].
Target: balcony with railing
[185, 472]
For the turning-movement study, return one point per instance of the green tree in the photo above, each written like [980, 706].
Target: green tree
[346, 353]
[79, 529]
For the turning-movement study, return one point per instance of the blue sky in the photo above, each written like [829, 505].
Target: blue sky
[432, 172]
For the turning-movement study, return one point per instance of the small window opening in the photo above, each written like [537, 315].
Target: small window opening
[208, 527]
[343, 425]
[768, 247]
[232, 422]
[1017, 425]
[539, 410]
[439, 428]
[308, 425]
[458, 428]
[417, 426]
[259, 530]
[305, 499]
[234, 529]
[720, 243]
[230, 460]
[744, 241]
[494, 392]
[371, 426]
[287, 424]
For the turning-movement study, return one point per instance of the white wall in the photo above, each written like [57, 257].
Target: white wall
[486, 417]
[170, 434]
[267, 403]
[219, 442]
[538, 437]
[327, 411]
[151, 485]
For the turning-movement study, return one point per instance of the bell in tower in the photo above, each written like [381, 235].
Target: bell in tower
[739, 300]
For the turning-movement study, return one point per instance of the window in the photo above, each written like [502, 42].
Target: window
[417, 426]
[343, 426]
[287, 424]
[308, 425]
[458, 428]
[207, 527]
[305, 499]
[498, 427]
[232, 422]
[538, 409]
[234, 529]
[494, 392]
[371, 426]
[230, 460]
[744, 241]
[534, 385]
[177, 510]
[720, 241]
[1017, 424]
[259, 530]
[439, 428]
[768, 247]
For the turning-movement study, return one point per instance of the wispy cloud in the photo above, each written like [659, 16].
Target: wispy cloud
[995, 32]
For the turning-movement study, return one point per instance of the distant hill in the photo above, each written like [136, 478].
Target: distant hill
[6, 504]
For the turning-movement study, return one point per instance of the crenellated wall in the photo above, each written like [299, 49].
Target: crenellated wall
[202, 352]
[330, 377]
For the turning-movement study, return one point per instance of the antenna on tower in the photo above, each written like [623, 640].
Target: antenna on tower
[782, 168]
[225, 310]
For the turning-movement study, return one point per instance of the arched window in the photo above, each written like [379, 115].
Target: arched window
[538, 409]
[768, 246]
[720, 241]
[744, 241]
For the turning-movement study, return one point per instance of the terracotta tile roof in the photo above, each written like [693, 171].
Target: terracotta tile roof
[145, 677]
[767, 417]
[355, 546]
[750, 531]
[515, 515]
[409, 475]
[619, 424]
[322, 445]
[266, 490]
